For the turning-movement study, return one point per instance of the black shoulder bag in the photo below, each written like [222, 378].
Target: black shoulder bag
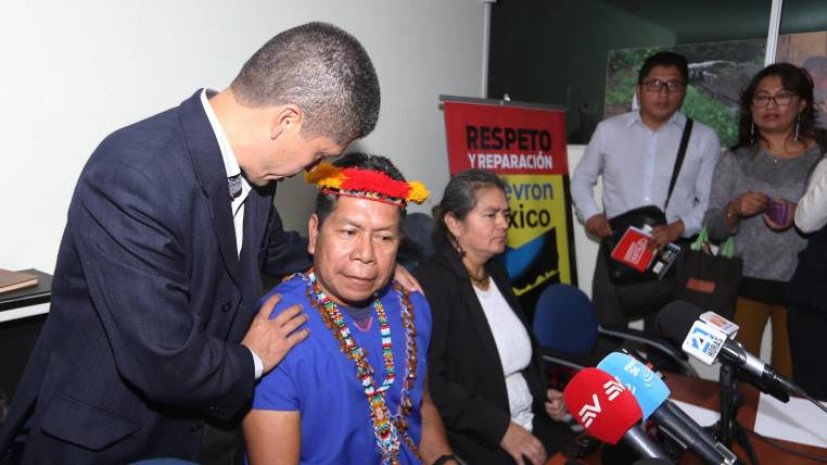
[650, 215]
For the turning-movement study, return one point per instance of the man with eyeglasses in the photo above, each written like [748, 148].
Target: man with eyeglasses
[635, 154]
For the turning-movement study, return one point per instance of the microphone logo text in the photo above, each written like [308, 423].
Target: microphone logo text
[613, 389]
[589, 411]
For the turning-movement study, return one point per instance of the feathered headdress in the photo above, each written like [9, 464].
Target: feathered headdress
[365, 184]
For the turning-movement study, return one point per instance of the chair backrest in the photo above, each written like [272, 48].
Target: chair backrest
[564, 320]
[417, 239]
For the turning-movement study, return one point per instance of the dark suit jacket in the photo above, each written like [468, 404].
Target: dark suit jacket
[806, 289]
[148, 291]
[466, 378]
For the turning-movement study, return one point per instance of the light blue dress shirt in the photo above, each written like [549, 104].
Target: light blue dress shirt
[636, 164]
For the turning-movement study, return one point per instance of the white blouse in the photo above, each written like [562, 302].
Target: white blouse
[514, 347]
[811, 214]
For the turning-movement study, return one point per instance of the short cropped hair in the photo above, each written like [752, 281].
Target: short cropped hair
[322, 69]
[664, 59]
[326, 202]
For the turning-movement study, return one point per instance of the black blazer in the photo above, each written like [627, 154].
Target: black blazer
[466, 378]
[806, 289]
[149, 301]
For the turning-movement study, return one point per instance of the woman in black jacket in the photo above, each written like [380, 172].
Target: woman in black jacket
[485, 367]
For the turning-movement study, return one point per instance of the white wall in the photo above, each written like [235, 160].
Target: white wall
[585, 248]
[75, 71]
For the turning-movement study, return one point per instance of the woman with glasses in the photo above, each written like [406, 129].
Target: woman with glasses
[754, 190]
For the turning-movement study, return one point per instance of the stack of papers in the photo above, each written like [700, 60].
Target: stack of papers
[796, 421]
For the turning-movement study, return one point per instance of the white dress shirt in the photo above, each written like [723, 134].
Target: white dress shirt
[637, 163]
[231, 165]
[811, 214]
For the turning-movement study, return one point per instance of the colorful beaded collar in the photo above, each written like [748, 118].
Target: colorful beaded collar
[387, 427]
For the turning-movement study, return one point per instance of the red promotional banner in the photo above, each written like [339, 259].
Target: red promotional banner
[505, 139]
[525, 144]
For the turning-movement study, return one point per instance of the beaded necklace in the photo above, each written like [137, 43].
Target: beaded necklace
[481, 282]
[387, 428]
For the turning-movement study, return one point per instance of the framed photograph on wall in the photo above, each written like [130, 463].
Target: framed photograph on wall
[808, 50]
[718, 72]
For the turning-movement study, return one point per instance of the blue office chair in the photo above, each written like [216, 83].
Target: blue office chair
[564, 320]
[566, 327]
[417, 240]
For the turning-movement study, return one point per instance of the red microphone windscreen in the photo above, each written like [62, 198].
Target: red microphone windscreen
[599, 402]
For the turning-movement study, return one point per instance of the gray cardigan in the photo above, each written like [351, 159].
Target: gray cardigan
[767, 254]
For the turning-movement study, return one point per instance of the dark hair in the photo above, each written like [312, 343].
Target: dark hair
[322, 69]
[460, 197]
[326, 203]
[664, 59]
[794, 79]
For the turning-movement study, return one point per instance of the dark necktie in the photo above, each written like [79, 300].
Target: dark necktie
[235, 185]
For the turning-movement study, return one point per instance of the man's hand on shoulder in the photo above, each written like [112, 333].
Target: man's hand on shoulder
[598, 225]
[406, 279]
[272, 339]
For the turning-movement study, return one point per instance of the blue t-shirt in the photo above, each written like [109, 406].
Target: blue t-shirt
[318, 380]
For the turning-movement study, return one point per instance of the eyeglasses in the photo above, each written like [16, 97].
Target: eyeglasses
[763, 100]
[655, 85]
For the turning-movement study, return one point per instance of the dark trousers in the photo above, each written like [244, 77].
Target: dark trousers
[222, 445]
[807, 332]
[554, 435]
[219, 446]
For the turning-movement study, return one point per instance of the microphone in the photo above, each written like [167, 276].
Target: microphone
[679, 321]
[607, 411]
[652, 394]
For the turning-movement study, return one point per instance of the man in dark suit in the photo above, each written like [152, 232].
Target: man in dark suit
[149, 350]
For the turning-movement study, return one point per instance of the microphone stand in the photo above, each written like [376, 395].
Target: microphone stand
[730, 400]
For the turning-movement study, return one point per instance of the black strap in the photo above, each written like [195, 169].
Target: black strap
[687, 130]
[443, 459]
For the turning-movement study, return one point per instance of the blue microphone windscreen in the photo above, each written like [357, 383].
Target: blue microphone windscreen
[647, 387]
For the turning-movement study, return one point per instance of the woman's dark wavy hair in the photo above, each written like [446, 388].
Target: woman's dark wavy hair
[460, 197]
[794, 79]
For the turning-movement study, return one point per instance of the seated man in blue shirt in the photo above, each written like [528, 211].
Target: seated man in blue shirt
[355, 392]
[635, 153]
